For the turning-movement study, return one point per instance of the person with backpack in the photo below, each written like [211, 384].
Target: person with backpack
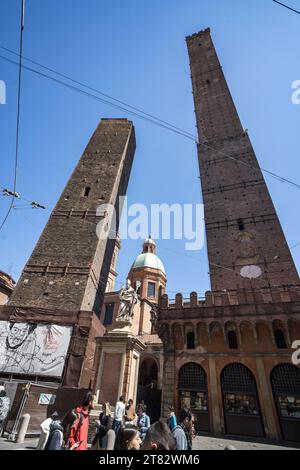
[59, 433]
[79, 432]
[45, 430]
[182, 432]
[103, 425]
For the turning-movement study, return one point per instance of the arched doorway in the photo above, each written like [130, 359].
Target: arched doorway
[285, 380]
[240, 400]
[192, 386]
[147, 388]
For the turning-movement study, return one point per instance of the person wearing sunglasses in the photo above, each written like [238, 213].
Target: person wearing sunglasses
[182, 432]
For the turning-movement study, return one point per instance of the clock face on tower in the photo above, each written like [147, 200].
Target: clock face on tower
[251, 272]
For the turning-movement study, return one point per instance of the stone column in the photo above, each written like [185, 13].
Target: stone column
[214, 399]
[267, 406]
[169, 384]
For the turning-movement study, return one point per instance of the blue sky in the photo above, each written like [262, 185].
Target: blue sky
[136, 51]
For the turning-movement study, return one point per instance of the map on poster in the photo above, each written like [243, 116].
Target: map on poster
[35, 349]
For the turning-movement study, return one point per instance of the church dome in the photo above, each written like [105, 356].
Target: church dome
[148, 260]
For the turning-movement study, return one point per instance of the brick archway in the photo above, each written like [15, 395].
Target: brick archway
[147, 387]
[285, 381]
[240, 401]
[192, 386]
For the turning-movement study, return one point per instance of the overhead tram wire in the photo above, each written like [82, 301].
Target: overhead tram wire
[99, 92]
[123, 103]
[143, 115]
[295, 246]
[286, 6]
[18, 117]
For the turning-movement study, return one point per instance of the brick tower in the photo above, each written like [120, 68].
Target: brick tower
[69, 266]
[243, 232]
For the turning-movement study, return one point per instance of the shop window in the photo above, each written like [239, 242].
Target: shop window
[240, 404]
[289, 406]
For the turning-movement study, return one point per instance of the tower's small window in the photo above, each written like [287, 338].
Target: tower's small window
[208, 82]
[280, 339]
[232, 340]
[241, 224]
[151, 289]
[190, 340]
[109, 313]
[86, 191]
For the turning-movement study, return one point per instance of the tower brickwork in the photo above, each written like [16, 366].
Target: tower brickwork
[246, 244]
[69, 266]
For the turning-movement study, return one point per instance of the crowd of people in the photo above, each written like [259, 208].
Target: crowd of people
[128, 428]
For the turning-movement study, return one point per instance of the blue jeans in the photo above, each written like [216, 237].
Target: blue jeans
[116, 426]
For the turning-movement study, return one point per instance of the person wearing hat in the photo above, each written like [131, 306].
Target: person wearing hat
[45, 430]
[4, 407]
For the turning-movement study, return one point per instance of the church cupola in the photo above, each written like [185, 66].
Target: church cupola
[147, 273]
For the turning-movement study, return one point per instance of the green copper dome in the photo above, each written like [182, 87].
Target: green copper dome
[148, 260]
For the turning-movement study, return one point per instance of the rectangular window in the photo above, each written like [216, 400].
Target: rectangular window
[86, 191]
[240, 404]
[289, 406]
[109, 313]
[241, 224]
[151, 289]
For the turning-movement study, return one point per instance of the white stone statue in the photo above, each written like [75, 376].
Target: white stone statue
[128, 298]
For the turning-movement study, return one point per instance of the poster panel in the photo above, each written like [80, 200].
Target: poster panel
[35, 349]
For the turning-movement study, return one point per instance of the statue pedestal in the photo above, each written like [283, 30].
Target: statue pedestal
[123, 328]
[117, 371]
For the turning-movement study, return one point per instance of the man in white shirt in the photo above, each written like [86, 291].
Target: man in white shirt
[119, 414]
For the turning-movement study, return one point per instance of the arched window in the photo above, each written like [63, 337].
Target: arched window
[232, 340]
[285, 380]
[190, 340]
[280, 339]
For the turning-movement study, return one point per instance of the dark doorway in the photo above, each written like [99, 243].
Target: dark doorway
[240, 401]
[285, 380]
[192, 385]
[147, 388]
